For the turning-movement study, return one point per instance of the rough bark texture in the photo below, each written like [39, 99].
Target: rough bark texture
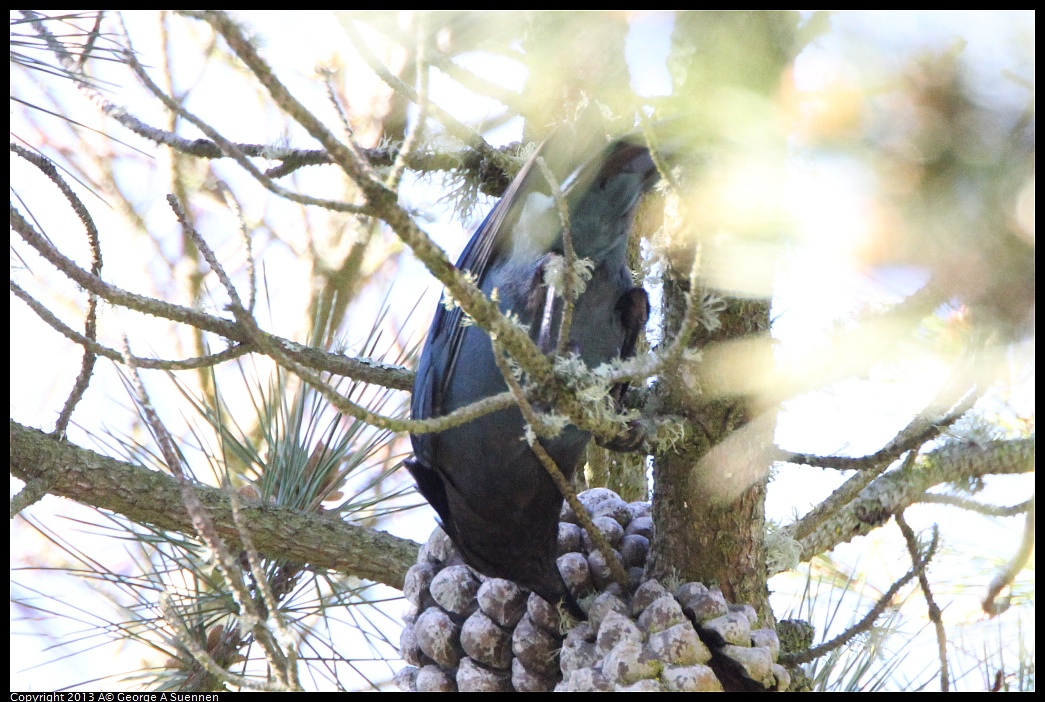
[150, 497]
[708, 506]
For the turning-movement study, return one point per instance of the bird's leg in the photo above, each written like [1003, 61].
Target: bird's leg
[544, 336]
[541, 304]
[633, 308]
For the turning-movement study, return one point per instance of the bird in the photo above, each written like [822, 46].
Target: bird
[494, 498]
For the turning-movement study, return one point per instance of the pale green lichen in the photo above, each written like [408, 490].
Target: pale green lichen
[555, 275]
[783, 552]
[668, 434]
[712, 306]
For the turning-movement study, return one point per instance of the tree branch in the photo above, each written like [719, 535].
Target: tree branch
[895, 490]
[992, 605]
[149, 497]
[935, 615]
[364, 369]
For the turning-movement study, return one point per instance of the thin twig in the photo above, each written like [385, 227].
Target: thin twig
[974, 506]
[413, 137]
[791, 659]
[617, 571]
[569, 296]
[202, 523]
[328, 83]
[233, 204]
[83, 379]
[455, 127]
[205, 250]
[935, 615]
[233, 352]
[281, 658]
[361, 369]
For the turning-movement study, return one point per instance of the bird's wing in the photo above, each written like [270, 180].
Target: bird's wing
[492, 242]
[447, 332]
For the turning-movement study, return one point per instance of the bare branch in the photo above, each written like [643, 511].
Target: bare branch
[974, 506]
[94, 347]
[361, 369]
[868, 621]
[935, 615]
[895, 490]
[456, 128]
[83, 379]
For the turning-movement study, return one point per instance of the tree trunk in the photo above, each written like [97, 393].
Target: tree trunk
[709, 490]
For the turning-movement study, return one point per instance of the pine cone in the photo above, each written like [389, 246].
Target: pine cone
[464, 631]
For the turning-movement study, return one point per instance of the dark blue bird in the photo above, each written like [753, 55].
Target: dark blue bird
[496, 501]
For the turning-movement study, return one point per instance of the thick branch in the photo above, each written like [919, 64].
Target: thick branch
[150, 497]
